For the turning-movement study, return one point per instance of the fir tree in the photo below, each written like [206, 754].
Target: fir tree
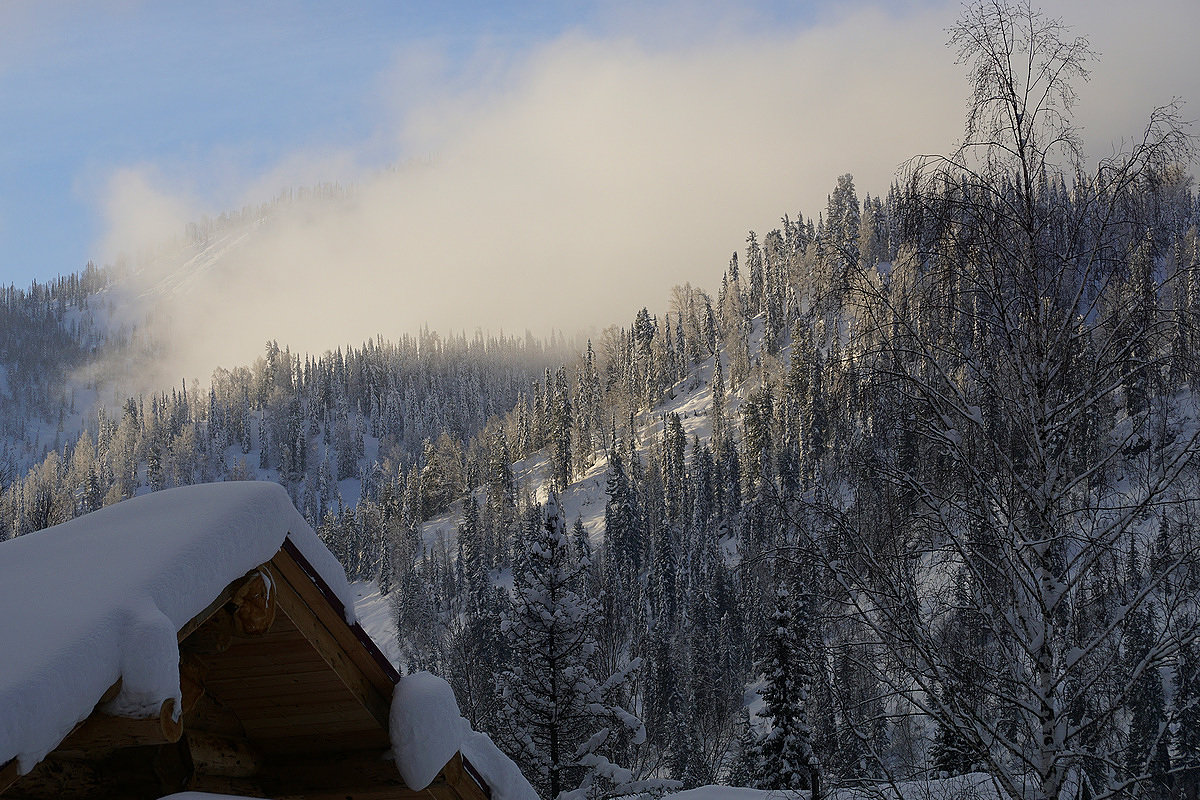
[1187, 707]
[745, 767]
[563, 717]
[622, 550]
[1147, 752]
[786, 759]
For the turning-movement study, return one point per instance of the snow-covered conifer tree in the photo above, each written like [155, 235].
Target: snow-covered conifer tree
[564, 719]
[786, 759]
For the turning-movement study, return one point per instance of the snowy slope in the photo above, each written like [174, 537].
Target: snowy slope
[585, 498]
[378, 618]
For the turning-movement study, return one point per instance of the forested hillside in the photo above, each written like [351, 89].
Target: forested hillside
[912, 493]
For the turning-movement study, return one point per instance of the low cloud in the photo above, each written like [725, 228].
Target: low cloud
[566, 190]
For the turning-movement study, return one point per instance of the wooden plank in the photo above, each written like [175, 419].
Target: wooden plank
[293, 643]
[479, 787]
[321, 698]
[310, 694]
[350, 774]
[287, 637]
[236, 694]
[263, 666]
[278, 670]
[295, 656]
[216, 605]
[331, 639]
[247, 586]
[456, 782]
[213, 716]
[214, 636]
[226, 785]
[306, 744]
[349, 716]
[276, 729]
[224, 756]
[386, 670]
[353, 639]
[308, 677]
[101, 733]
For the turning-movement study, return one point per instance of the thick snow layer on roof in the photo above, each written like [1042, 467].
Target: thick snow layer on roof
[102, 597]
[427, 729]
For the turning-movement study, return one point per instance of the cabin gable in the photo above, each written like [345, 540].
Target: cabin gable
[281, 698]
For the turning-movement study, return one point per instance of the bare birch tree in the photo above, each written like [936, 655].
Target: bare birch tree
[1023, 337]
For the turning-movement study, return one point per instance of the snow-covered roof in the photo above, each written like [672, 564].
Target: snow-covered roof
[427, 729]
[102, 598]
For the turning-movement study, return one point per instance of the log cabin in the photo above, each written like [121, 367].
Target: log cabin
[278, 694]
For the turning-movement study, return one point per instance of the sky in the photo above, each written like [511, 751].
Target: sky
[517, 165]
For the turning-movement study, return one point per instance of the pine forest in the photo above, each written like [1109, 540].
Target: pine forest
[911, 490]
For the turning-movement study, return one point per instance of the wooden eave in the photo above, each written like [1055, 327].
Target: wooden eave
[281, 698]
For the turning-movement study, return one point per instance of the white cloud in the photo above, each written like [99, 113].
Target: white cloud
[571, 187]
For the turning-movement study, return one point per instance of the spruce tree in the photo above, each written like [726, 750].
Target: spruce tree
[1187, 707]
[622, 549]
[1147, 753]
[744, 769]
[564, 718]
[786, 759]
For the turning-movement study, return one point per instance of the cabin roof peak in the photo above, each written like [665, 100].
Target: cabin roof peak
[199, 638]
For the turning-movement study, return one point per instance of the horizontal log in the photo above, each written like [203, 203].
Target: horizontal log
[54, 778]
[121, 775]
[102, 733]
[226, 785]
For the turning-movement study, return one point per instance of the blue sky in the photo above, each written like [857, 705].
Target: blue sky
[92, 87]
[89, 88]
[212, 105]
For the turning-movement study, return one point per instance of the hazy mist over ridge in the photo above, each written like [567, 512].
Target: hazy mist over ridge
[566, 189]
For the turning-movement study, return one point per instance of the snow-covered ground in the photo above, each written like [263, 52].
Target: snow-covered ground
[432, 698]
[976, 786]
[378, 618]
[585, 498]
